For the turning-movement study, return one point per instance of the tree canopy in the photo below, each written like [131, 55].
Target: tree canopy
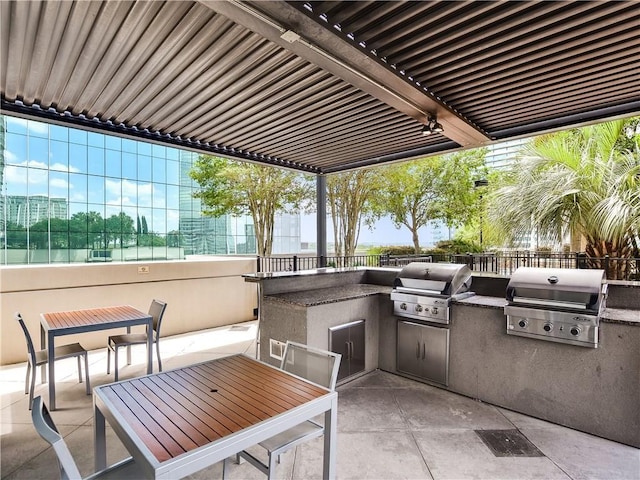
[433, 188]
[582, 183]
[237, 188]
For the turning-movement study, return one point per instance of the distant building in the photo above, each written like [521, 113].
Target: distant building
[26, 211]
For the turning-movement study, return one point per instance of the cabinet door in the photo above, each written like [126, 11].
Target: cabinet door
[339, 343]
[409, 348]
[435, 354]
[357, 339]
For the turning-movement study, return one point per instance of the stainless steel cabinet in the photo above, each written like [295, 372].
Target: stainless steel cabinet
[423, 351]
[348, 341]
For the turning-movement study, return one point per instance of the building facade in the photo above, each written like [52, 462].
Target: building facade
[69, 195]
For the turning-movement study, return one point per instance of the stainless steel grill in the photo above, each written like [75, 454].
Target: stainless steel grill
[559, 305]
[424, 291]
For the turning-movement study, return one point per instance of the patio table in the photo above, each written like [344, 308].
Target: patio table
[56, 324]
[178, 422]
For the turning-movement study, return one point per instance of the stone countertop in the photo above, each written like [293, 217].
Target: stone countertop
[323, 296]
[609, 315]
[258, 277]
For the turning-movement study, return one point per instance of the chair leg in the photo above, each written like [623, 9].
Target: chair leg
[224, 468]
[108, 360]
[115, 363]
[158, 353]
[26, 379]
[79, 370]
[86, 372]
[33, 386]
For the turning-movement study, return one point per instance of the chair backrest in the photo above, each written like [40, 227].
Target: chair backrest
[44, 425]
[30, 349]
[156, 310]
[316, 365]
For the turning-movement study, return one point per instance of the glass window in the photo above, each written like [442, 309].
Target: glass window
[77, 136]
[77, 158]
[59, 156]
[129, 166]
[159, 151]
[129, 192]
[113, 143]
[144, 168]
[173, 196]
[173, 172]
[146, 220]
[15, 149]
[159, 195]
[129, 145]
[159, 170]
[16, 125]
[113, 161]
[96, 189]
[173, 220]
[96, 161]
[59, 184]
[39, 152]
[38, 129]
[159, 221]
[173, 154]
[57, 132]
[143, 148]
[144, 194]
[77, 187]
[113, 191]
[15, 180]
[95, 139]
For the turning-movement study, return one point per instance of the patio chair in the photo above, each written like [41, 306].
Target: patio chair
[37, 358]
[156, 310]
[318, 366]
[43, 423]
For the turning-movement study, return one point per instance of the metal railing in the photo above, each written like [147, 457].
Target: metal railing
[503, 263]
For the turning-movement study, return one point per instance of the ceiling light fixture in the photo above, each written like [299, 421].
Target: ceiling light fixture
[432, 126]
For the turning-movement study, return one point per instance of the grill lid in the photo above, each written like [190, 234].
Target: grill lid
[557, 288]
[440, 278]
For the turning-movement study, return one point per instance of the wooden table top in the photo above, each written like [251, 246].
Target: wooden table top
[92, 316]
[177, 411]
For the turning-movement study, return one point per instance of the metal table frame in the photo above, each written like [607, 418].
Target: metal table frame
[215, 451]
[90, 320]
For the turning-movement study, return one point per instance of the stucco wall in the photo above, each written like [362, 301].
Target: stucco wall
[201, 293]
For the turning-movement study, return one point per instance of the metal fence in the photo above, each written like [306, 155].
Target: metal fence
[504, 263]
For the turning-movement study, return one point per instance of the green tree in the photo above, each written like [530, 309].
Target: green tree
[350, 197]
[237, 188]
[434, 188]
[119, 229]
[86, 230]
[573, 184]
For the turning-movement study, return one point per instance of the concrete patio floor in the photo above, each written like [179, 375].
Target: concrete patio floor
[389, 427]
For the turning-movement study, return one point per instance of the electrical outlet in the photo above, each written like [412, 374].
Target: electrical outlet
[143, 269]
[276, 349]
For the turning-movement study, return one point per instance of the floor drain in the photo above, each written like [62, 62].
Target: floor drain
[508, 443]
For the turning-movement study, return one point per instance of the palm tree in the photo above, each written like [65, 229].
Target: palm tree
[575, 184]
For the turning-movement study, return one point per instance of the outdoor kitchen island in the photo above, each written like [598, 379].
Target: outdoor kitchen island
[596, 390]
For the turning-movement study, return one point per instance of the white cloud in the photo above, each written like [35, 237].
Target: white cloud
[60, 183]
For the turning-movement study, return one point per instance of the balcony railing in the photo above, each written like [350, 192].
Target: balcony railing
[504, 263]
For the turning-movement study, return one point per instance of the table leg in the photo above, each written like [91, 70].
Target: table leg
[330, 447]
[99, 439]
[51, 347]
[128, 348]
[150, 347]
[43, 345]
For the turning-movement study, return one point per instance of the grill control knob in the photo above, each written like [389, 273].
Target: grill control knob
[547, 327]
[434, 310]
[575, 330]
[523, 323]
[418, 308]
[403, 306]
